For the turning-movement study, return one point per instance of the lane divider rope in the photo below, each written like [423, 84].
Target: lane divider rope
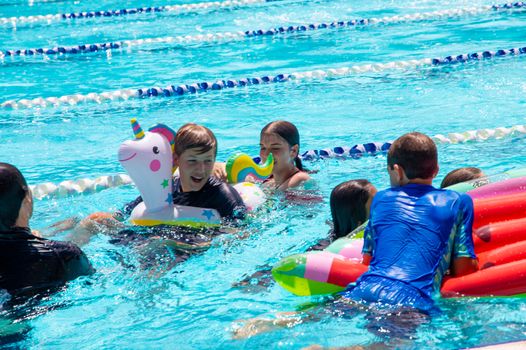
[84, 186]
[69, 187]
[358, 151]
[51, 18]
[178, 90]
[240, 35]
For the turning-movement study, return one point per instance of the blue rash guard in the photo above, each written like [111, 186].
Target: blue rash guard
[414, 232]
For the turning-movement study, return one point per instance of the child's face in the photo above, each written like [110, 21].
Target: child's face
[283, 154]
[195, 168]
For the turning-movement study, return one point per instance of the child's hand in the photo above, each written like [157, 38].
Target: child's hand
[220, 171]
[64, 225]
[186, 246]
[248, 328]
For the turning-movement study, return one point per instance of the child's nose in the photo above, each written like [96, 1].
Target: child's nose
[201, 166]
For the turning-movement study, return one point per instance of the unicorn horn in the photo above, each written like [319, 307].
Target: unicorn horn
[137, 130]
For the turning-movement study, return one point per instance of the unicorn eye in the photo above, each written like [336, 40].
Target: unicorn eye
[155, 149]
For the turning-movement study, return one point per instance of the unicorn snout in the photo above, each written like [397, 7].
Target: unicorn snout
[126, 152]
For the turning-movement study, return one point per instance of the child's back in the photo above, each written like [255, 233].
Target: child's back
[416, 228]
[415, 232]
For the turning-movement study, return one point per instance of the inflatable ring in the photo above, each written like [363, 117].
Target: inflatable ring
[499, 239]
[148, 159]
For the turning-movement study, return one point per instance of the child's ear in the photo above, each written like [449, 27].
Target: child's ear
[26, 210]
[401, 172]
[436, 172]
[294, 151]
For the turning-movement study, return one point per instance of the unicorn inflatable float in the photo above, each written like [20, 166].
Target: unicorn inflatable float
[148, 159]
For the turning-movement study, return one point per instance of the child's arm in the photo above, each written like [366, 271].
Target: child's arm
[220, 171]
[368, 242]
[366, 259]
[464, 258]
[464, 266]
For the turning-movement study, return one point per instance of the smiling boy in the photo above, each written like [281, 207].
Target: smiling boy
[195, 154]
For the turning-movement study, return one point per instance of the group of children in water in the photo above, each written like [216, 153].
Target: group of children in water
[414, 235]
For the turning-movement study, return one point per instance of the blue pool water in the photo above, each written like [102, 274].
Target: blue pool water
[194, 304]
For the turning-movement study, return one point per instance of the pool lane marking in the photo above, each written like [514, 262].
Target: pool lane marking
[183, 8]
[50, 18]
[319, 74]
[372, 148]
[83, 186]
[243, 35]
[70, 187]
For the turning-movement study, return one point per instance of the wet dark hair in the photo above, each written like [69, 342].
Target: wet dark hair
[194, 136]
[288, 132]
[348, 205]
[13, 189]
[461, 175]
[416, 153]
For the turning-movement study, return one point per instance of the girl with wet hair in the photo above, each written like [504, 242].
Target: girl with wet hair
[282, 139]
[350, 203]
[461, 175]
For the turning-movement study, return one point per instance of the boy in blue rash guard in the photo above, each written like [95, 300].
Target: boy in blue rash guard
[415, 231]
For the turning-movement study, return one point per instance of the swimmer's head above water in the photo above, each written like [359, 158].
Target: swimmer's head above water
[13, 192]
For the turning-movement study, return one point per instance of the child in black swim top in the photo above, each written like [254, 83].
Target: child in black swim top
[195, 154]
[28, 263]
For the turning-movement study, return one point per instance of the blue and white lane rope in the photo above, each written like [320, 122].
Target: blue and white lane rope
[358, 151]
[242, 35]
[183, 8]
[69, 187]
[13, 21]
[185, 89]
[82, 186]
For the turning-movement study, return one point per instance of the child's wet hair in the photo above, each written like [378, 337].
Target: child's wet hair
[416, 153]
[288, 132]
[13, 189]
[195, 136]
[461, 175]
[348, 205]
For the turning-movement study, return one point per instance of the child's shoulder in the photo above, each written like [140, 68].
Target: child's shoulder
[298, 178]
[217, 185]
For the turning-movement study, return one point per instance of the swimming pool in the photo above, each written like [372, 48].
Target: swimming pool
[194, 305]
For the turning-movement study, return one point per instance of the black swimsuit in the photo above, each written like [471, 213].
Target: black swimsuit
[31, 264]
[215, 194]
